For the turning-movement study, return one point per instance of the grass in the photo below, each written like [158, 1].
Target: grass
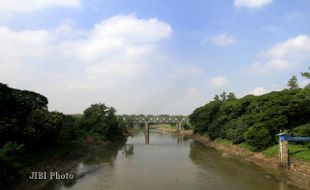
[247, 147]
[228, 142]
[296, 151]
[223, 141]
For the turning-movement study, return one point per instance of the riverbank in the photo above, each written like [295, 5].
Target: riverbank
[62, 162]
[174, 130]
[299, 172]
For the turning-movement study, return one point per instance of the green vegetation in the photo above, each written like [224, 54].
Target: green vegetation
[255, 121]
[28, 131]
[292, 83]
[223, 141]
[297, 151]
[228, 142]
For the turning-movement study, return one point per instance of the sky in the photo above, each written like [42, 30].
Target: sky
[154, 56]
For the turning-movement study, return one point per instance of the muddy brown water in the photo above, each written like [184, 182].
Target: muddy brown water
[165, 161]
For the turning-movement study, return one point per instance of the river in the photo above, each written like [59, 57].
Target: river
[165, 161]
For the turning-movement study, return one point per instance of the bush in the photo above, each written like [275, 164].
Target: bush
[8, 174]
[257, 136]
[214, 131]
[234, 130]
[10, 148]
[303, 130]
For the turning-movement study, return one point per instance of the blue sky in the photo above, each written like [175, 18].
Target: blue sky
[151, 56]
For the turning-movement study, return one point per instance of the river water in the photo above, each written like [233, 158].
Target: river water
[165, 161]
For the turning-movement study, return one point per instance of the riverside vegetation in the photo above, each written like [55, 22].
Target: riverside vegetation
[29, 133]
[253, 122]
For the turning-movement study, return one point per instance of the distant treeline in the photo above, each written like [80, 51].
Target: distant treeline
[256, 120]
[26, 127]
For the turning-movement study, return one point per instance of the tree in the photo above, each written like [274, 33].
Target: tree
[101, 120]
[257, 136]
[292, 83]
[42, 128]
[303, 130]
[216, 98]
[306, 74]
[230, 119]
[231, 96]
[223, 95]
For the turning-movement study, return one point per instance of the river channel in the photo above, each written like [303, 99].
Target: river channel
[165, 161]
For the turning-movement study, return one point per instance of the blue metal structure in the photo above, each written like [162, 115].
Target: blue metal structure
[284, 155]
[284, 137]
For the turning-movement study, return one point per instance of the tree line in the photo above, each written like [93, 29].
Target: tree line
[27, 126]
[256, 120]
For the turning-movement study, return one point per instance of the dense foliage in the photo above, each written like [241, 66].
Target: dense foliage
[255, 120]
[26, 126]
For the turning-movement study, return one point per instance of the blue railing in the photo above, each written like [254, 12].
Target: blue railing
[284, 137]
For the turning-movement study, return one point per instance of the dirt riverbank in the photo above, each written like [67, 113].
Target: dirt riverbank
[174, 130]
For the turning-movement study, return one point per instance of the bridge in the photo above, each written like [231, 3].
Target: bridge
[148, 120]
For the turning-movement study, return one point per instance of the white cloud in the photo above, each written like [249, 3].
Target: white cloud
[34, 5]
[297, 47]
[269, 66]
[259, 91]
[119, 62]
[119, 35]
[219, 81]
[283, 56]
[221, 40]
[252, 3]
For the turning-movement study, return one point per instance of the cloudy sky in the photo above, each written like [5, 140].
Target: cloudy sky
[153, 56]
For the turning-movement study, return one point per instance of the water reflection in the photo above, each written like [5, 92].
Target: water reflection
[217, 172]
[170, 162]
[180, 139]
[147, 137]
[128, 150]
[101, 158]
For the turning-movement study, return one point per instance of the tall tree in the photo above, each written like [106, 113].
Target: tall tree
[292, 83]
[216, 98]
[223, 96]
[231, 96]
[306, 74]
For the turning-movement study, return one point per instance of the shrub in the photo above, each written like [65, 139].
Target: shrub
[257, 136]
[302, 130]
[214, 131]
[234, 131]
